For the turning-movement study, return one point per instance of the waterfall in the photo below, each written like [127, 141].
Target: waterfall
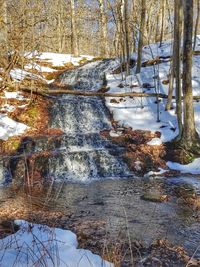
[81, 154]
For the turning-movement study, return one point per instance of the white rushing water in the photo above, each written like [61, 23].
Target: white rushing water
[82, 154]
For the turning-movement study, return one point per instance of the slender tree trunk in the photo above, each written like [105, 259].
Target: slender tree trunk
[126, 28]
[177, 61]
[141, 36]
[189, 132]
[104, 31]
[197, 24]
[4, 27]
[74, 39]
[171, 88]
[59, 28]
[162, 22]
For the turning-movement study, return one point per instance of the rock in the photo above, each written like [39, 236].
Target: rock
[154, 197]
[147, 85]
[114, 101]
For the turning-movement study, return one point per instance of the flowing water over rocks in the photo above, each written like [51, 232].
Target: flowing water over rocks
[87, 155]
[81, 154]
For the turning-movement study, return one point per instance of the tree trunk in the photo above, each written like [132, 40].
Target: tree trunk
[74, 39]
[59, 28]
[126, 28]
[171, 88]
[4, 28]
[104, 32]
[162, 22]
[141, 36]
[177, 61]
[197, 24]
[189, 135]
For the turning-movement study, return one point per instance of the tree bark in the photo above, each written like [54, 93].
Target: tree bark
[141, 36]
[126, 28]
[104, 32]
[74, 39]
[46, 90]
[197, 24]
[189, 135]
[162, 22]
[177, 61]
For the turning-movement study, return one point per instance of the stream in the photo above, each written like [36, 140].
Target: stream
[86, 174]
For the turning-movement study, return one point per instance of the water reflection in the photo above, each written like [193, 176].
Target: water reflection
[119, 203]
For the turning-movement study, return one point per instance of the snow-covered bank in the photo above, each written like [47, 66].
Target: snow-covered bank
[40, 245]
[144, 113]
[57, 59]
[9, 127]
[193, 168]
[140, 113]
[38, 62]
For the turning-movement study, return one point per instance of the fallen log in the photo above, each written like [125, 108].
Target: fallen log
[47, 92]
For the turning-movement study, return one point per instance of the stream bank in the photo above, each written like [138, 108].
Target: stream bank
[79, 180]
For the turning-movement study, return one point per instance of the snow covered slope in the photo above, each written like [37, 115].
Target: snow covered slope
[40, 245]
[141, 112]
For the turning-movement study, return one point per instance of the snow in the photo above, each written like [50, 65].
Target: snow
[38, 67]
[13, 95]
[152, 173]
[9, 127]
[7, 108]
[40, 245]
[58, 59]
[19, 75]
[140, 113]
[114, 133]
[193, 168]
[155, 142]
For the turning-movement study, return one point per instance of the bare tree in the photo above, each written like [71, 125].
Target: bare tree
[141, 36]
[197, 24]
[74, 39]
[177, 60]
[104, 32]
[189, 135]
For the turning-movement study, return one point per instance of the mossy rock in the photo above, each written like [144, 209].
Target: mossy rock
[33, 112]
[12, 144]
[154, 197]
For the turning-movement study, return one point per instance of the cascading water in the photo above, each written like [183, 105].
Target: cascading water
[81, 154]
[87, 155]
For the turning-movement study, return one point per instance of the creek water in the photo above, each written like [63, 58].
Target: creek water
[88, 176]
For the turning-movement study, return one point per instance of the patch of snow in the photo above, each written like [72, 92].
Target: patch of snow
[138, 166]
[140, 113]
[23, 106]
[155, 142]
[152, 173]
[59, 60]
[40, 245]
[39, 68]
[13, 95]
[19, 75]
[9, 127]
[115, 133]
[7, 108]
[193, 168]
